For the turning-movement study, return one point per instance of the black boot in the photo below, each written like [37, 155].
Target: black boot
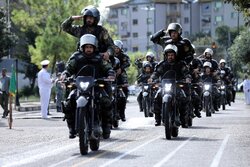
[72, 131]
[106, 131]
[157, 119]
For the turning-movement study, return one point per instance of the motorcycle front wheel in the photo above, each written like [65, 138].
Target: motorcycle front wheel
[167, 120]
[207, 106]
[83, 132]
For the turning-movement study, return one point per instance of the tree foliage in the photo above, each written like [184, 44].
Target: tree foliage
[240, 50]
[8, 39]
[242, 6]
[226, 35]
[44, 21]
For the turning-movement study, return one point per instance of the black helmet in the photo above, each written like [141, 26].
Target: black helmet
[196, 63]
[146, 64]
[174, 27]
[91, 11]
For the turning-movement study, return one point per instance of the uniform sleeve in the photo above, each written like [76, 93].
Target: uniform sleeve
[106, 41]
[70, 68]
[126, 62]
[74, 30]
[189, 50]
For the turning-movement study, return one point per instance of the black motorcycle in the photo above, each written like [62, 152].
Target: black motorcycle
[118, 99]
[87, 120]
[148, 91]
[207, 97]
[170, 114]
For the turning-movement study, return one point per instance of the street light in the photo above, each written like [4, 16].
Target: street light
[148, 8]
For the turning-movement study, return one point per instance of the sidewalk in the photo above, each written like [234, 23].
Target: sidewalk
[32, 110]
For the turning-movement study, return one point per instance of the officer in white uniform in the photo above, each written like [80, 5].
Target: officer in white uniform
[44, 84]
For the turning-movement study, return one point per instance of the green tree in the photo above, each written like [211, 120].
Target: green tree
[40, 33]
[242, 6]
[240, 50]
[8, 38]
[226, 35]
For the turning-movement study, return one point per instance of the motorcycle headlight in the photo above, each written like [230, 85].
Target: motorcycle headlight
[84, 85]
[113, 88]
[145, 87]
[222, 86]
[206, 87]
[167, 87]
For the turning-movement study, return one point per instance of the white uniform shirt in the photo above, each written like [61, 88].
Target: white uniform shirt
[44, 80]
[246, 85]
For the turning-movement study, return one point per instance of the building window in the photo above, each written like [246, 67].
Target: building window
[149, 33]
[113, 13]
[218, 4]
[173, 6]
[186, 20]
[186, 6]
[124, 25]
[206, 7]
[134, 8]
[149, 20]
[135, 35]
[233, 15]
[124, 11]
[218, 18]
[135, 49]
[135, 21]
[206, 20]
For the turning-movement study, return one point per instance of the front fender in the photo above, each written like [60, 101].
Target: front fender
[81, 102]
[166, 98]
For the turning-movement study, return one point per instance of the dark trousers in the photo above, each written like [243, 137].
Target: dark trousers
[4, 100]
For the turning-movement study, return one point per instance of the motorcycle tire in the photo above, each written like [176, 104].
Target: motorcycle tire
[94, 144]
[83, 132]
[207, 106]
[144, 107]
[167, 120]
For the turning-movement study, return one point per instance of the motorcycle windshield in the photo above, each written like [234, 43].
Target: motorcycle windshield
[87, 70]
[207, 80]
[169, 77]
[85, 77]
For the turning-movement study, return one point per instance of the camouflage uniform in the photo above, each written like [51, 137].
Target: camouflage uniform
[105, 42]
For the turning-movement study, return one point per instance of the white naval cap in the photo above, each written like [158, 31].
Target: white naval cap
[44, 62]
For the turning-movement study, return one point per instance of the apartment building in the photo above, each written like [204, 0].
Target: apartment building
[136, 20]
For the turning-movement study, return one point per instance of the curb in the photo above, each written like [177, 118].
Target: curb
[33, 107]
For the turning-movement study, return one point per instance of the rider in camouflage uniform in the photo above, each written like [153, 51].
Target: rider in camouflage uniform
[91, 17]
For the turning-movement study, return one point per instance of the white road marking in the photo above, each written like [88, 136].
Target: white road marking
[128, 152]
[167, 157]
[218, 155]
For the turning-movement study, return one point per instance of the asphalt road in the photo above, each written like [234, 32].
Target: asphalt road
[222, 140]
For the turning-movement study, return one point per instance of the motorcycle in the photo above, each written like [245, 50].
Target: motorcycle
[207, 97]
[223, 95]
[170, 114]
[119, 98]
[148, 91]
[87, 119]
